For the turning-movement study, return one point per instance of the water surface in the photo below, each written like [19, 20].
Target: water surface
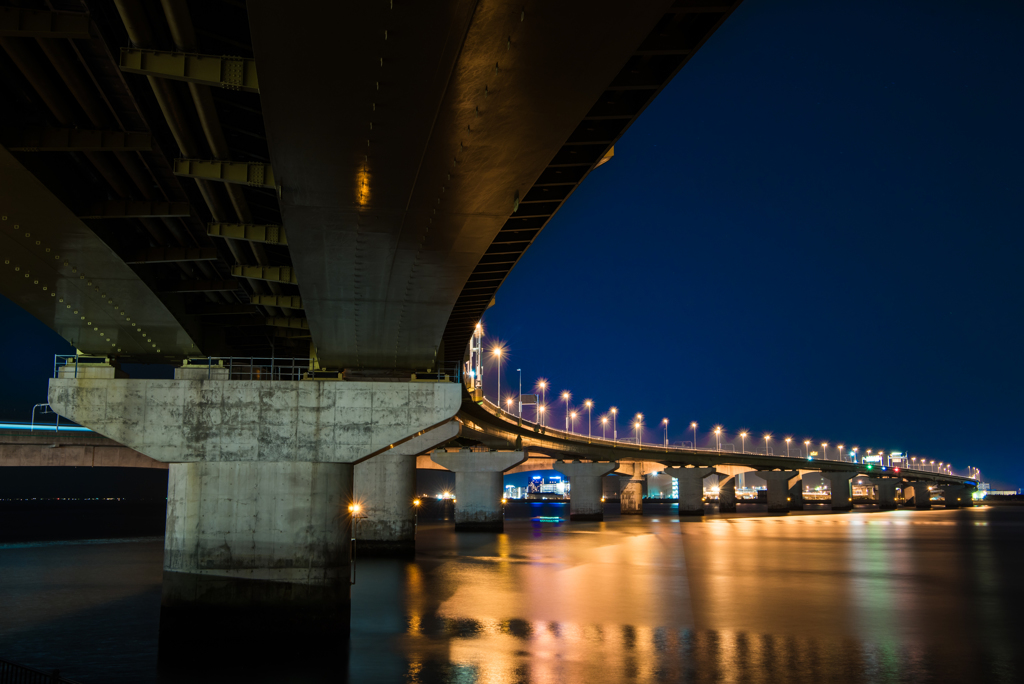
[904, 596]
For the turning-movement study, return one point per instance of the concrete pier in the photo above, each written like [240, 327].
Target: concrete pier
[796, 494]
[922, 496]
[631, 497]
[726, 493]
[585, 480]
[842, 490]
[886, 492]
[953, 495]
[249, 541]
[384, 487]
[478, 486]
[778, 482]
[691, 488]
[261, 481]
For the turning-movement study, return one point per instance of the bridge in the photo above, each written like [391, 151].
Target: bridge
[306, 207]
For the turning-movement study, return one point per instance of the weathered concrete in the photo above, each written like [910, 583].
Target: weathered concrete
[796, 494]
[886, 491]
[922, 496]
[631, 496]
[778, 488]
[246, 540]
[585, 488]
[726, 493]
[478, 486]
[842, 489]
[180, 421]
[691, 488]
[385, 487]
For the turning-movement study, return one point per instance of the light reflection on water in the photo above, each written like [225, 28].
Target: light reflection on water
[906, 596]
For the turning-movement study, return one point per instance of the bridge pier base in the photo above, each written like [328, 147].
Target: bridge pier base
[886, 492]
[778, 488]
[384, 487]
[691, 488]
[839, 483]
[478, 486]
[585, 488]
[922, 496]
[796, 494]
[631, 496]
[952, 495]
[257, 546]
[726, 493]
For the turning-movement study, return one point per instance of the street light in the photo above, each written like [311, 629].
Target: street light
[694, 426]
[520, 371]
[604, 427]
[824, 450]
[540, 412]
[807, 448]
[566, 396]
[840, 447]
[637, 425]
[664, 421]
[615, 431]
[542, 384]
[508, 405]
[590, 421]
[767, 436]
[743, 442]
[788, 440]
[497, 352]
[718, 437]
[573, 416]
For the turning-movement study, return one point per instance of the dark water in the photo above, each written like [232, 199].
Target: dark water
[905, 596]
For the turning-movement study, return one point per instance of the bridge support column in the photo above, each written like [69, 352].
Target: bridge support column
[968, 496]
[478, 486]
[778, 488]
[886, 492]
[258, 537]
[922, 495]
[384, 487]
[691, 488]
[842, 490]
[631, 496]
[726, 493]
[253, 544]
[796, 494]
[585, 488]
[953, 495]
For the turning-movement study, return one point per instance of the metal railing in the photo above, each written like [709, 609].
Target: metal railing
[12, 673]
[726, 448]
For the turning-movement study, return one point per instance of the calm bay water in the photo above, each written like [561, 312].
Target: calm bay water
[904, 596]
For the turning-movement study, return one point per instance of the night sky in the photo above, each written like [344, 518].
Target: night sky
[815, 230]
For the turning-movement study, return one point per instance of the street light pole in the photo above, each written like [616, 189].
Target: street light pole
[766, 436]
[497, 352]
[694, 426]
[520, 371]
[590, 422]
[718, 438]
[807, 448]
[743, 442]
[665, 423]
[604, 427]
[615, 430]
[566, 395]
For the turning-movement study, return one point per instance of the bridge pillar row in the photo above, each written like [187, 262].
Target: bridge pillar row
[585, 488]
[778, 482]
[886, 492]
[691, 488]
[478, 486]
[842, 489]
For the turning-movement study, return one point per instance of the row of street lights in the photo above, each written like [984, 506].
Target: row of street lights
[638, 423]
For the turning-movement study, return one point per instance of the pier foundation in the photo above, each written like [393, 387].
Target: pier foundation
[585, 485]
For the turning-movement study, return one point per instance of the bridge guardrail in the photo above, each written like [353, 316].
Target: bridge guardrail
[22, 674]
[496, 410]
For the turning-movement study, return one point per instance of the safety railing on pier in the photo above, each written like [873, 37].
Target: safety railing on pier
[639, 444]
[243, 368]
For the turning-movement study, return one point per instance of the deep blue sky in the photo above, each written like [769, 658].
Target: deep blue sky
[815, 230]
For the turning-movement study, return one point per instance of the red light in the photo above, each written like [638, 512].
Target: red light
[896, 469]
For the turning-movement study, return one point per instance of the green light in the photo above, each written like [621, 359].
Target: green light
[870, 467]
